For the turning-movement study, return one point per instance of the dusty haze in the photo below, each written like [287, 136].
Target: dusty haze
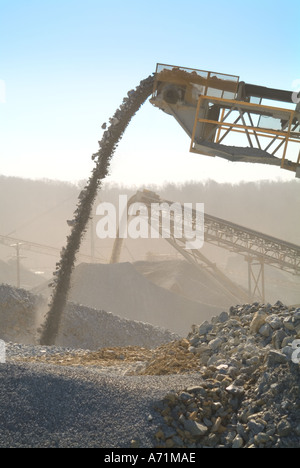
[36, 211]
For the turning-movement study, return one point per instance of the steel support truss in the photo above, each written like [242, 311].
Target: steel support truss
[268, 130]
[258, 249]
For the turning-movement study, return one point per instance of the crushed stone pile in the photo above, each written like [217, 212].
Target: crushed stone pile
[250, 383]
[87, 328]
[240, 370]
[48, 406]
[17, 314]
[81, 327]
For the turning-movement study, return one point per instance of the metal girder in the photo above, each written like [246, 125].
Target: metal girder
[275, 252]
[274, 125]
[256, 279]
[256, 248]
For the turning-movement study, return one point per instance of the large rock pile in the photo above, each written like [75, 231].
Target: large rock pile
[248, 393]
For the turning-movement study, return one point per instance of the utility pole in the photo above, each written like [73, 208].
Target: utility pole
[18, 258]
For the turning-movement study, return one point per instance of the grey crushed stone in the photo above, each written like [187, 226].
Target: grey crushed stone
[48, 406]
[21, 314]
[19, 351]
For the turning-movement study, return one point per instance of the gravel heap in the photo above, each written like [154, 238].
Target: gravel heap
[65, 407]
[249, 396]
[81, 327]
[233, 383]
[86, 328]
[17, 314]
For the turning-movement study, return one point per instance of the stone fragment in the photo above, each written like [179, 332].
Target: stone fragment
[185, 396]
[215, 344]
[197, 390]
[288, 324]
[235, 390]
[278, 338]
[238, 442]
[284, 428]
[216, 425]
[275, 322]
[205, 328]
[223, 317]
[194, 428]
[255, 427]
[275, 357]
[258, 320]
[261, 439]
[288, 352]
[265, 330]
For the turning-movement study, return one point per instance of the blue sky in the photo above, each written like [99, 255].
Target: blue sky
[68, 64]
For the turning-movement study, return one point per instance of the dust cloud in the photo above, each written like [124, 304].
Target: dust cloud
[35, 213]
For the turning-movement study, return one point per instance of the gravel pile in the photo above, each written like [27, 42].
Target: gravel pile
[233, 383]
[250, 391]
[17, 351]
[86, 328]
[81, 327]
[17, 314]
[63, 407]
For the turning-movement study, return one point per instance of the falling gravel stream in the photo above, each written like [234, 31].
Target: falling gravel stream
[108, 144]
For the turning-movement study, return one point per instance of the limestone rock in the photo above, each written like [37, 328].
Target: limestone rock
[258, 321]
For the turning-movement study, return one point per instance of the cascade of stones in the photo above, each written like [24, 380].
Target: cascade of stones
[108, 144]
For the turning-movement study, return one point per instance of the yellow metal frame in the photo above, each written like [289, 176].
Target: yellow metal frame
[282, 136]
